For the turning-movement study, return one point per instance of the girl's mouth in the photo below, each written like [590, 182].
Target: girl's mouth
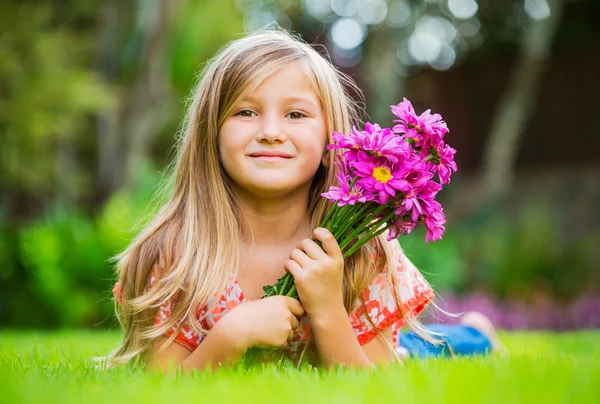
[270, 155]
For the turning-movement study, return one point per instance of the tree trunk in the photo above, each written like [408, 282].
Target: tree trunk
[386, 85]
[110, 141]
[149, 98]
[517, 104]
[126, 132]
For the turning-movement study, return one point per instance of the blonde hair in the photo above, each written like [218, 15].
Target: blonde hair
[197, 231]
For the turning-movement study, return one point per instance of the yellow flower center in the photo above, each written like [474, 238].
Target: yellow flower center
[382, 174]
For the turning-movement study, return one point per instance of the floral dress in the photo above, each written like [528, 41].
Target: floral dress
[378, 297]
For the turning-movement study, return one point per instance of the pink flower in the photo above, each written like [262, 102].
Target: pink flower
[434, 220]
[402, 224]
[442, 161]
[341, 142]
[409, 121]
[418, 130]
[417, 178]
[410, 204]
[429, 190]
[433, 124]
[344, 195]
[380, 177]
[374, 140]
[379, 142]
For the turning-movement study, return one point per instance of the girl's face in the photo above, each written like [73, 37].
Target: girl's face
[274, 140]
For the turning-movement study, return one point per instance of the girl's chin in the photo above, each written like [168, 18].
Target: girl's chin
[273, 188]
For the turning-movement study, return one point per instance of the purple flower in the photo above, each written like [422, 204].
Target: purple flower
[344, 195]
[433, 124]
[409, 121]
[429, 190]
[410, 204]
[379, 142]
[411, 124]
[418, 179]
[380, 177]
[402, 224]
[442, 160]
[341, 142]
[434, 219]
[374, 140]
[419, 131]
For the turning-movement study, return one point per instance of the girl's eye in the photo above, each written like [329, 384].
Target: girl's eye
[245, 113]
[296, 115]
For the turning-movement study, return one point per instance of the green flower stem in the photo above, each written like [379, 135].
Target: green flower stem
[376, 225]
[286, 283]
[333, 222]
[357, 218]
[344, 214]
[330, 214]
[347, 221]
[292, 292]
[348, 238]
[368, 236]
[371, 232]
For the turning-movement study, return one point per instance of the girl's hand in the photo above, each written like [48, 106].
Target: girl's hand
[265, 323]
[318, 273]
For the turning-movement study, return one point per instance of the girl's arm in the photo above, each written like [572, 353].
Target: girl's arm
[217, 348]
[266, 323]
[318, 274]
[336, 343]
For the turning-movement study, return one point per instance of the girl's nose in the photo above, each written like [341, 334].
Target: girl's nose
[271, 130]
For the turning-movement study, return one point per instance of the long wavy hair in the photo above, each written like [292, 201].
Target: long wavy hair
[196, 232]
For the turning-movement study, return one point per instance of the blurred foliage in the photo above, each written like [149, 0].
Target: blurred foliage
[220, 22]
[65, 86]
[56, 270]
[509, 254]
[48, 92]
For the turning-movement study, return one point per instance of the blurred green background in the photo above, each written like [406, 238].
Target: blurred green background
[92, 94]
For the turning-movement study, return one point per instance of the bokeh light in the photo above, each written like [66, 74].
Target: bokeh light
[537, 9]
[399, 15]
[348, 33]
[372, 12]
[463, 9]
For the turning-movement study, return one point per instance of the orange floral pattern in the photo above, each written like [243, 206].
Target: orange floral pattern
[380, 306]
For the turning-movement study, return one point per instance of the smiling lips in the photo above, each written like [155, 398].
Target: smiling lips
[270, 155]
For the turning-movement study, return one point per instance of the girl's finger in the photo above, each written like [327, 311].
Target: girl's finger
[295, 323]
[312, 249]
[301, 258]
[330, 244]
[294, 268]
[295, 306]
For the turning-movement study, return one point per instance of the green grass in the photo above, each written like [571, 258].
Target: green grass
[542, 367]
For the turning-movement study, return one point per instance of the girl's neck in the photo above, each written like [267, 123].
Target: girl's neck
[274, 221]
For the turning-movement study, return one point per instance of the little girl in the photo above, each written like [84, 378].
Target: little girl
[251, 165]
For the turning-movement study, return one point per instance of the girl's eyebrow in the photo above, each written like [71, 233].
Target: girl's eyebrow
[291, 98]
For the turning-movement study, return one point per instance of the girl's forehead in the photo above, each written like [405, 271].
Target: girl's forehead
[291, 83]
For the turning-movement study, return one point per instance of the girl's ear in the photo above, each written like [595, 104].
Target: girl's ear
[325, 158]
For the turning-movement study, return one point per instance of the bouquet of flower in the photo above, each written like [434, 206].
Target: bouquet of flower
[385, 182]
